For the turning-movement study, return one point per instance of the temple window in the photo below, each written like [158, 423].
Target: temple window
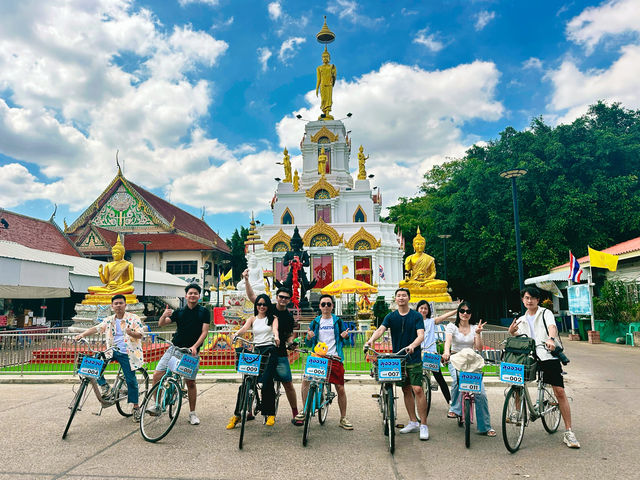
[320, 240]
[287, 217]
[279, 270]
[359, 216]
[184, 267]
[363, 268]
[323, 212]
[322, 266]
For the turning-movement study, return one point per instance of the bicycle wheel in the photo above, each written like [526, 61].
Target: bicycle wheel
[324, 400]
[514, 418]
[390, 420]
[426, 386]
[248, 395]
[382, 403]
[122, 404]
[550, 411]
[467, 422]
[308, 412]
[75, 404]
[278, 393]
[160, 410]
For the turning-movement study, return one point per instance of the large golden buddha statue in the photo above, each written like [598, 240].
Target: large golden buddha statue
[420, 278]
[117, 277]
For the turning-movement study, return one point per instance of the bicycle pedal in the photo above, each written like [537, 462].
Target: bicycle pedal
[374, 395]
[434, 388]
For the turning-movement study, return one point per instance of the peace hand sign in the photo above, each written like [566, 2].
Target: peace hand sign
[480, 326]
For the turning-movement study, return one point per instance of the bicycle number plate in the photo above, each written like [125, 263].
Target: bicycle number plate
[249, 364]
[188, 367]
[316, 367]
[469, 381]
[512, 373]
[431, 361]
[389, 370]
[90, 367]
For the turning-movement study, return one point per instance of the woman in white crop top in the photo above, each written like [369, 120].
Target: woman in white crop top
[264, 327]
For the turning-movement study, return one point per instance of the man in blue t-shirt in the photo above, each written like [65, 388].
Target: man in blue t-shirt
[407, 331]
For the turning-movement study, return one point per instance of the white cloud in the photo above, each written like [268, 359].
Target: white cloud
[406, 117]
[17, 185]
[184, 3]
[613, 17]
[532, 63]
[348, 9]
[275, 10]
[264, 54]
[288, 49]
[575, 90]
[428, 41]
[483, 18]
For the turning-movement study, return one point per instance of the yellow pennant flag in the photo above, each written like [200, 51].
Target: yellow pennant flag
[227, 277]
[603, 260]
[345, 269]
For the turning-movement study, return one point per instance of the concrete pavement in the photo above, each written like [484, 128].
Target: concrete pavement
[602, 382]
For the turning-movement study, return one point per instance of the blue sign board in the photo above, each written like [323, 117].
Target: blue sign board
[249, 364]
[316, 367]
[188, 366]
[512, 373]
[389, 370]
[90, 367]
[469, 382]
[579, 299]
[431, 361]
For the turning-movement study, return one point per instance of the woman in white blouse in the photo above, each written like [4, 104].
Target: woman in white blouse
[466, 333]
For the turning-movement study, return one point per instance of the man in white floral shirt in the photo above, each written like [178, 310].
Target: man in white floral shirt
[124, 331]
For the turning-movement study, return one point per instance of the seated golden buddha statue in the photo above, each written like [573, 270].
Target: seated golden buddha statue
[117, 277]
[421, 275]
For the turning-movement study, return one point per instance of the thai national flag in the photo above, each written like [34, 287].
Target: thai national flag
[381, 272]
[574, 268]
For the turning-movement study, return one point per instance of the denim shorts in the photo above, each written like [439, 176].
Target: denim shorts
[163, 364]
[283, 370]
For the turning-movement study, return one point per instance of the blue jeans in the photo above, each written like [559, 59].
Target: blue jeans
[483, 419]
[129, 375]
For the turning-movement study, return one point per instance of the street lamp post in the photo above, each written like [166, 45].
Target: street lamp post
[444, 248]
[144, 244]
[513, 174]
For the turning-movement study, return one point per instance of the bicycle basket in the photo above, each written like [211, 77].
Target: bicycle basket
[387, 377]
[92, 368]
[314, 368]
[520, 350]
[264, 359]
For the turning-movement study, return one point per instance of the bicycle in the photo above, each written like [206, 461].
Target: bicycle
[518, 403]
[161, 408]
[430, 363]
[251, 366]
[89, 368]
[319, 395]
[388, 369]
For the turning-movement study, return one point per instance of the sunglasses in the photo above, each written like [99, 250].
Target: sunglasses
[261, 304]
[283, 297]
[462, 310]
[326, 304]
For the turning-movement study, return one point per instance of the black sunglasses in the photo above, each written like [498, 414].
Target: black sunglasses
[326, 304]
[462, 310]
[261, 304]
[283, 297]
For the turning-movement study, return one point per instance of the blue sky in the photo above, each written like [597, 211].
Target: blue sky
[200, 96]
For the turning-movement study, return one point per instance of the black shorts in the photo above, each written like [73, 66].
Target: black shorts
[552, 372]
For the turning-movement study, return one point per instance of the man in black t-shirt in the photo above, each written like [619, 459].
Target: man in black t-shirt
[192, 327]
[286, 326]
[407, 331]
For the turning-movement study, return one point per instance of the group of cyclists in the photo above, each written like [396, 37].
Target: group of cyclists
[272, 326]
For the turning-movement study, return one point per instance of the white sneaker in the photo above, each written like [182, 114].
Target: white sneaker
[193, 418]
[570, 439]
[411, 427]
[424, 432]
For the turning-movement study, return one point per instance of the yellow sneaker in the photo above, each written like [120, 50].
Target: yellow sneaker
[271, 421]
[232, 423]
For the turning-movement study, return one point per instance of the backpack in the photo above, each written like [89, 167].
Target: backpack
[520, 350]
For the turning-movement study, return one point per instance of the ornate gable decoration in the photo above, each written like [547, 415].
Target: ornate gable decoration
[94, 241]
[322, 228]
[278, 237]
[362, 234]
[122, 210]
[324, 132]
[322, 184]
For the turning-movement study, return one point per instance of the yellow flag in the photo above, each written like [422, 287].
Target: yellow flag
[603, 260]
[345, 269]
[227, 277]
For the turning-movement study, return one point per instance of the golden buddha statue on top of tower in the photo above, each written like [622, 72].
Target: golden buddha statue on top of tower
[362, 172]
[286, 161]
[322, 162]
[117, 277]
[420, 278]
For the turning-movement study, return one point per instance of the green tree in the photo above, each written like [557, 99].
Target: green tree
[581, 189]
[238, 259]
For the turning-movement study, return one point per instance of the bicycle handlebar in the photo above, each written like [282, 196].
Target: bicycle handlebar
[185, 350]
[114, 348]
[380, 354]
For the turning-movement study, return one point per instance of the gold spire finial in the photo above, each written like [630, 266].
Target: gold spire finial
[325, 35]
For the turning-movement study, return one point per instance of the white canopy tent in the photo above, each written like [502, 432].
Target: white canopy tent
[29, 273]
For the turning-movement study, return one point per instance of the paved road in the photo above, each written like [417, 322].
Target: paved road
[602, 380]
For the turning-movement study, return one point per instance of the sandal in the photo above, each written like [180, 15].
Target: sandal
[452, 415]
[490, 433]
